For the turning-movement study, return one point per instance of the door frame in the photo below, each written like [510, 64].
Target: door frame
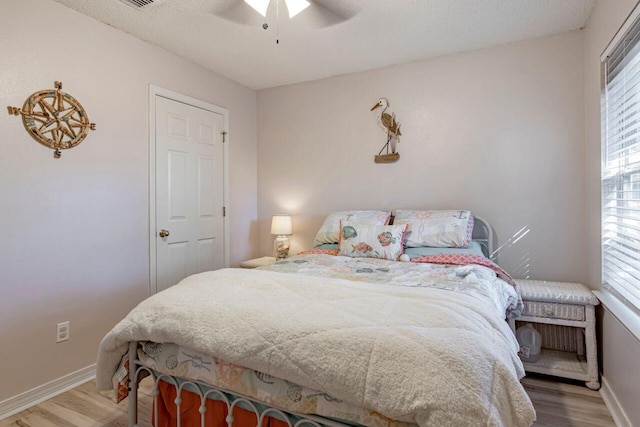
[155, 91]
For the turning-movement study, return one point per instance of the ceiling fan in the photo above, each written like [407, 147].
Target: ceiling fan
[294, 6]
[317, 13]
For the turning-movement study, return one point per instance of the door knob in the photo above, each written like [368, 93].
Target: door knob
[163, 233]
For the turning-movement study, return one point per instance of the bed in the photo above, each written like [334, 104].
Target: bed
[328, 340]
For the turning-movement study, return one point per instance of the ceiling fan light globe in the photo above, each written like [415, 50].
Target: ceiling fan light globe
[296, 6]
[259, 6]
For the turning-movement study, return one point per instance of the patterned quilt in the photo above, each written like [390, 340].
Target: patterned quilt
[468, 277]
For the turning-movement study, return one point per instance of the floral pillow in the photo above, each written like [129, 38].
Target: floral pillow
[360, 240]
[438, 229]
[330, 230]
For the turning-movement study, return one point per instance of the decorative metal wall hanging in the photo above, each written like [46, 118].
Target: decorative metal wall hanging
[55, 119]
[387, 122]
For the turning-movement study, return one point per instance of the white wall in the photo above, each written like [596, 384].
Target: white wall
[499, 131]
[74, 240]
[620, 350]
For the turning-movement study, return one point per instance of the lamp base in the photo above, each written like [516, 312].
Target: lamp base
[282, 247]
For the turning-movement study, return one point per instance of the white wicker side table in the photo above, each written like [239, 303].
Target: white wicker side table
[258, 262]
[567, 352]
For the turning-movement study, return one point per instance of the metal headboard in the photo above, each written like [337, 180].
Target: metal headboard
[483, 233]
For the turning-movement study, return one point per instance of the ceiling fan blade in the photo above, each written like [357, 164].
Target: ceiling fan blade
[240, 13]
[343, 10]
[325, 13]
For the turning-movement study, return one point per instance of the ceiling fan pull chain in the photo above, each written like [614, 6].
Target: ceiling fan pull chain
[277, 21]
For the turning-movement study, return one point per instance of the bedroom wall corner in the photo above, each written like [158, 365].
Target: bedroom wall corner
[496, 130]
[620, 349]
[75, 230]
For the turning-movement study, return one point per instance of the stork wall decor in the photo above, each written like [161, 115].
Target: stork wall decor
[387, 122]
[55, 119]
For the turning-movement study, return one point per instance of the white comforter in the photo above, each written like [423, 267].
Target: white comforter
[431, 356]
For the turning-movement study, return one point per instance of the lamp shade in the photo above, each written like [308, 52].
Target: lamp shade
[281, 225]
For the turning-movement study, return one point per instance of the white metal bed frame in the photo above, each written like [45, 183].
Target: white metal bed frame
[482, 232]
[205, 391]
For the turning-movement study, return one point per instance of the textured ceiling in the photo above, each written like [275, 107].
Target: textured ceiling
[332, 36]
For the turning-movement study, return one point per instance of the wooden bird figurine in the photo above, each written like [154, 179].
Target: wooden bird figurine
[387, 122]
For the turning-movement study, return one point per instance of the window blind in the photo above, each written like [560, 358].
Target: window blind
[621, 168]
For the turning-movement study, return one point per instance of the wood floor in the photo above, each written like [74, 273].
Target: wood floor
[562, 404]
[557, 404]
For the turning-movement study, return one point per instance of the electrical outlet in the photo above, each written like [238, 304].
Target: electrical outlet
[62, 331]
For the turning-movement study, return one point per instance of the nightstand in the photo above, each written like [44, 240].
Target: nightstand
[258, 262]
[564, 314]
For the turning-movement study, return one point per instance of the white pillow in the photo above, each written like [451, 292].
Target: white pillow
[330, 229]
[438, 229]
[361, 240]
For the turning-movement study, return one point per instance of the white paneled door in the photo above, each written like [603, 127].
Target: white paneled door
[189, 191]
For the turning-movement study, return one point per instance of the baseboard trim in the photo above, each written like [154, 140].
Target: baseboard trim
[610, 399]
[22, 401]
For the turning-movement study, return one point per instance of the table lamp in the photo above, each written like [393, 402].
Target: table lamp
[281, 227]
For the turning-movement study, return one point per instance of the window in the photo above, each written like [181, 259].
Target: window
[621, 168]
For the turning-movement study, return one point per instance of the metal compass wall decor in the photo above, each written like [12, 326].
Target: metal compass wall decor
[55, 119]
